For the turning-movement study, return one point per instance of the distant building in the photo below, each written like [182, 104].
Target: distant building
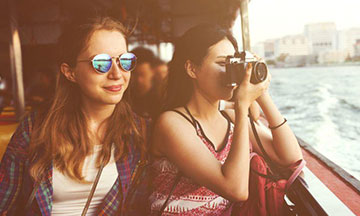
[320, 43]
[295, 45]
[334, 56]
[357, 48]
[322, 36]
[347, 40]
[259, 49]
[265, 49]
[269, 49]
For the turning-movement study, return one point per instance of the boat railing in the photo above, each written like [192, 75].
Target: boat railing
[312, 197]
[344, 175]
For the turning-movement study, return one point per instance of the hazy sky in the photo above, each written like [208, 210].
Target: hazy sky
[277, 18]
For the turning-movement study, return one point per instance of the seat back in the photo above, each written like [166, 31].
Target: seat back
[6, 131]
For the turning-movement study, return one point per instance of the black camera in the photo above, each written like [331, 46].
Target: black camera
[236, 67]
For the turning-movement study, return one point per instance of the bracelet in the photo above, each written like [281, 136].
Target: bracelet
[273, 128]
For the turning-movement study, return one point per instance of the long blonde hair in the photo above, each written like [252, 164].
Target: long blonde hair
[60, 133]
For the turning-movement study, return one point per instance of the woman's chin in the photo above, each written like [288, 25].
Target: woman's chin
[112, 100]
[227, 95]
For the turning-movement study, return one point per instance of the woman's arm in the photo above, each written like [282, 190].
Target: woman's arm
[176, 138]
[284, 142]
[280, 144]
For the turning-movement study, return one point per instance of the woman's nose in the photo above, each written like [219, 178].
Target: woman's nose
[116, 71]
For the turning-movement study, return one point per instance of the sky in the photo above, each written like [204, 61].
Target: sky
[276, 18]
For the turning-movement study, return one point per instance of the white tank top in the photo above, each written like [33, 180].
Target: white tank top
[69, 196]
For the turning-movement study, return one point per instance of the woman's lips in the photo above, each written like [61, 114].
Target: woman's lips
[113, 88]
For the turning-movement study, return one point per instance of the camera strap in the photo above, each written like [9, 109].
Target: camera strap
[93, 189]
[271, 164]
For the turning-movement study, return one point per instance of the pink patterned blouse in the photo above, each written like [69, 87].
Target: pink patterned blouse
[189, 198]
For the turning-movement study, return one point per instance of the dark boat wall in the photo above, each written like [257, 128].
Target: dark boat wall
[39, 24]
[155, 20]
[165, 20]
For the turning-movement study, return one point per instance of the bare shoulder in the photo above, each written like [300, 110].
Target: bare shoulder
[172, 119]
[170, 126]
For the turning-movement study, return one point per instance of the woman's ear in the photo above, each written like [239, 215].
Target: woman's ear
[68, 72]
[190, 69]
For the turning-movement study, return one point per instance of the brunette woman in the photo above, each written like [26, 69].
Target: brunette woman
[202, 154]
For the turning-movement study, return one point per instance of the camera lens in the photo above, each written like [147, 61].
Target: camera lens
[260, 72]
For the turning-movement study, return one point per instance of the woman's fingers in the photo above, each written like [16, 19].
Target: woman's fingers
[248, 73]
[268, 79]
[267, 85]
[249, 92]
[262, 87]
[269, 76]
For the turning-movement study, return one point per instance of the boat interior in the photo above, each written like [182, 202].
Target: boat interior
[28, 34]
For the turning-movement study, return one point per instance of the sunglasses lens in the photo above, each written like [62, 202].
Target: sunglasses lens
[102, 63]
[128, 61]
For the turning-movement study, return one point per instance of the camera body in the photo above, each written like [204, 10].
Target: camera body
[235, 67]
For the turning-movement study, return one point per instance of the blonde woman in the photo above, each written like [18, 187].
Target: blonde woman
[84, 153]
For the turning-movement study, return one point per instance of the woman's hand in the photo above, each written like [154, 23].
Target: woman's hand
[246, 93]
[266, 94]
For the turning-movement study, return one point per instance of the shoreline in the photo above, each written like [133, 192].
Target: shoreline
[318, 65]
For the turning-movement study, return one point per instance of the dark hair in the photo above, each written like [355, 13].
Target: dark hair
[193, 46]
[143, 55]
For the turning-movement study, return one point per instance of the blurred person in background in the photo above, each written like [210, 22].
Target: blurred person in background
[161, 71]
[148, 84]
[41, 89]
[158, 91]
[141, 84]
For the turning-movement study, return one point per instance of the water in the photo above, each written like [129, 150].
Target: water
[322, 105]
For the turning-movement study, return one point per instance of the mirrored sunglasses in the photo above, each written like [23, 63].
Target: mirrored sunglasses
[102, 62]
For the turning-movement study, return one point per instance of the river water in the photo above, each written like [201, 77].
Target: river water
[322, 105]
